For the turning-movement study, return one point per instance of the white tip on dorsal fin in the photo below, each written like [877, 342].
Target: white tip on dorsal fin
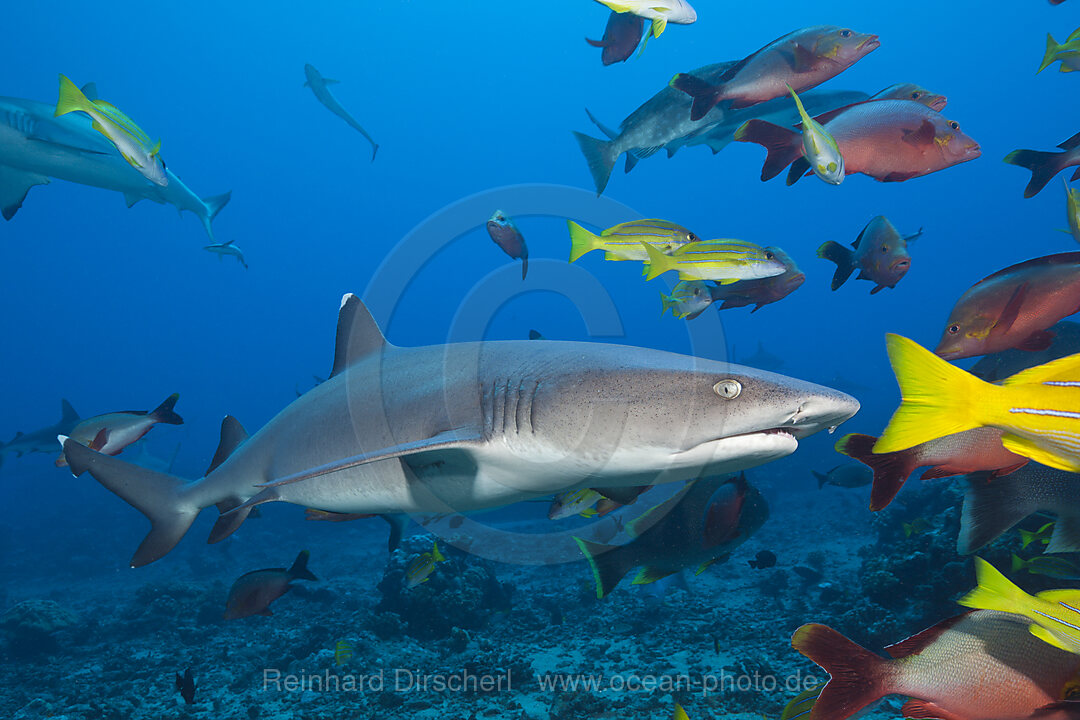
[358, 335]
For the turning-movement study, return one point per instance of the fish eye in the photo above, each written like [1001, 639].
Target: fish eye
[769, 255]
[729, 389]
[845, 33]
[884, 248]
[691, 237]
[916, 95]
[953, 329]
[954, 125]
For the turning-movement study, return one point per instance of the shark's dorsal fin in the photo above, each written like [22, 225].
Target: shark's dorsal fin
[67, 413]
[232, 435]
[358, 334]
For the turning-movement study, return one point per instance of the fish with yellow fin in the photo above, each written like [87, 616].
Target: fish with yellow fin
[1067, 53]
[623, 241]
[1037, 409]
[722, 261]
[1055, 614]
[422, 566]
[819, 147]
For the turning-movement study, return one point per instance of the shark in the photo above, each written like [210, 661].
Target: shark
[474, 425]
[43, 440]
[320, 86]
[36, 147]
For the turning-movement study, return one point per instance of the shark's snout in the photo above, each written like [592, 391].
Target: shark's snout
[824, 411]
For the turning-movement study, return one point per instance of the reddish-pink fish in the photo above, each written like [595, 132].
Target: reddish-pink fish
[621, 37]
[984, 665]
[802, 59]
[889, 140]
[1045, 165]
[1013, 308]
[911, 91]
[967, 452]
[253, 592]
[763, 290]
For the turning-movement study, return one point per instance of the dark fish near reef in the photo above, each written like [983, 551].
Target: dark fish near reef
[966, 452]
[984, 665]
[851, 475]
[999, 366]
[763, 560]
[42, 440]
[993, 506]
[1013, 308]
[880, 255]
[701, 524]
[1045, 165]
[1050, 566]
[185, 685]
[889, 140]
[762, 291]
[506, 235]
[621, 37]
[253, 592]
[802, 59]
[110, 433]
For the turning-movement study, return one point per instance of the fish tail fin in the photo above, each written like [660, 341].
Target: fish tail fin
[1052, 47]
[659, 263]
[891, 470]
[164, 412]
[669, 303]
[705, 95]
[1066, 535]
[582, 241]
[1018, 563]
[992, 506]
[844, 259]
[601, 156]
[822, 478]
[71, 98]
[937, 397]
[784, 146]
[995, 591]
[1043, 166]
[608, 564]
[857, 676]
[158, 496]
[299, 570]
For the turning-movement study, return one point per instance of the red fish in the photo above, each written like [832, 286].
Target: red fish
[1045, 165]
[967, 452]
[802, 59]
[621, 37]
[911, 91]
[1013, 308]
[763, 290]
[253, 592]
[889, 140]
[984, 665]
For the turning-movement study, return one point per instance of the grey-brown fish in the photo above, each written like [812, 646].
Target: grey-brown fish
[253, 592]
[880, 255]
[504, 233]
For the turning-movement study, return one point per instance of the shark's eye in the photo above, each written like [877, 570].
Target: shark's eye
[729, 389]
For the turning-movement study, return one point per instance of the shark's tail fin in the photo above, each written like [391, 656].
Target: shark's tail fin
[158, 496]
[214, 205]
[1043, 166]
[601, 156]
[842, 256]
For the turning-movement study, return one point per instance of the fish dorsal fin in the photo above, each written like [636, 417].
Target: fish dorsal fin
[358, 335]
[1072, 142]
[232, 436]
[923, 136]
[1066, 369]
[859, 239]
[90, 91]
[1066, 258]
[919, 642]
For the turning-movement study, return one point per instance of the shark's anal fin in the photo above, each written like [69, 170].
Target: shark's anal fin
[450, 439]
[14, 184]
[358, 335]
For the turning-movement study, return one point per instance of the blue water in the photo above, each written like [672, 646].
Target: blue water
[115, 308]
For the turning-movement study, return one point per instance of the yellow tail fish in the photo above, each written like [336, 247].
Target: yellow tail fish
[1038, 409]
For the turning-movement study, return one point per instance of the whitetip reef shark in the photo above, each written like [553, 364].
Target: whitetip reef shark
[35, 146]
[466, 426]
[44, 439]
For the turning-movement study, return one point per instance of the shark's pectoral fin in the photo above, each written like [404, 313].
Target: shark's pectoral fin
[14, 184]
[131, 199]
[449, 439]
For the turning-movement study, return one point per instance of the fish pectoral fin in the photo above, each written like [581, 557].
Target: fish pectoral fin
[802, 59]
[448, 439]
[922, 709]
[1048, 637]
[924, 135]
[14, 185]
[1011, 310]
[1059, 460]
[658, 26]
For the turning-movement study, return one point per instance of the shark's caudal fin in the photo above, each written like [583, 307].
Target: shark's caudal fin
[609, 564]
[891, 470]
[855, 672]
[601, 156]
[1043, 166]
[158, 496]
[992, 506]
[299, 570]
[214, 205]
[844, 259]
[784, 145]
